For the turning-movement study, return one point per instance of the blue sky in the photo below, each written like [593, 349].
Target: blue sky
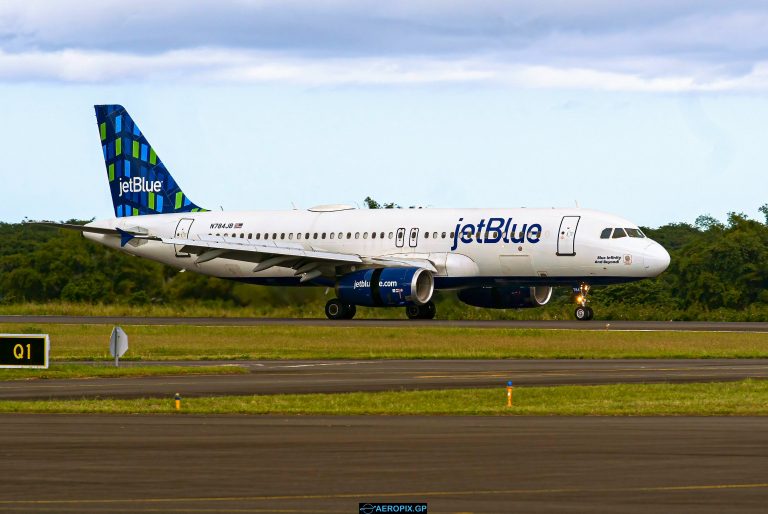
[648, 110]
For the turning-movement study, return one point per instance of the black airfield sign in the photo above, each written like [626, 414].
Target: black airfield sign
[24, 350]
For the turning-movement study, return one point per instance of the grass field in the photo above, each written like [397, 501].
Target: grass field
[91, 342]
[746, 398]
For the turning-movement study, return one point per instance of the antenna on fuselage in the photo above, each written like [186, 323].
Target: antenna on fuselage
[577, 204]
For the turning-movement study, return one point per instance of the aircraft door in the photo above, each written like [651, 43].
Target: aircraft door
[566, 236]
[182, 232]
[413, 240]
[400, 241]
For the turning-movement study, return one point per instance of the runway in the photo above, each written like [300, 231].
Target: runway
[271, 377]
[63, 463]
[702, 326]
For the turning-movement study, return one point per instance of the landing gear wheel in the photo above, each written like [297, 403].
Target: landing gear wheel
[426, 311]
[590, 312]
[350, 311]
[581, 313]
[335, 309]
[429, 310]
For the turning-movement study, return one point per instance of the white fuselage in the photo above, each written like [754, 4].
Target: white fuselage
[523, 246]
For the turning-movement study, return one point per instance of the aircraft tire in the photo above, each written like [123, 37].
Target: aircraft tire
[413, 312]
[581, 313]
[349, 311]
[590, 312]
[426, 311]
[335, 309]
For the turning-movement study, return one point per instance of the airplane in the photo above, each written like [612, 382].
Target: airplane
[499, 258]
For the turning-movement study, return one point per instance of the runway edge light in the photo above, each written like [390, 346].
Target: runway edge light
[509, 394]
[24, 351]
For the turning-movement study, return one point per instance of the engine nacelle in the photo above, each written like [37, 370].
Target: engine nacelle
[386, 287]
[505, 297]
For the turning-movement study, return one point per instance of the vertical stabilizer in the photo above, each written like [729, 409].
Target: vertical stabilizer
[138, 180]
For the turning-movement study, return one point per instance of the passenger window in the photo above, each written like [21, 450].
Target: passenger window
[282, 236]
[365, 235]
[306, 236]
[333, 234]
[606, 233]
[298, 236]
[349, 235]
[357, 235]
[290, 236]
[314, 236]
[426, 235]
[323, 236]
[274, 235]
[250, 235]
[381, 235]
[619, 233]
[341, 235]
[453, 234]
[258, 236]
[434, 235]
[443, 235]
[266, 235]
[373, 235]
[391, 235]
[242, 236]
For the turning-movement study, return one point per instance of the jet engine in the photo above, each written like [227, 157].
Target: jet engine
[506, 297]
[386, 287]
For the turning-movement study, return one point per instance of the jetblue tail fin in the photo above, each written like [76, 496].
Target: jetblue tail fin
[138, 180]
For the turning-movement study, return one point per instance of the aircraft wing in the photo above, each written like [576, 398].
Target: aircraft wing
[307, 262]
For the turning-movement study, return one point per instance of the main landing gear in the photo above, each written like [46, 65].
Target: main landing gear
[426, 311]
[583, 312]
[336, 309]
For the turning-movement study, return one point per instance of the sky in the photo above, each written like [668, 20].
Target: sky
[651, 110]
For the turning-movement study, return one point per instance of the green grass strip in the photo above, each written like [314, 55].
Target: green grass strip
[744, 398]
[103, 370]
[91, 342]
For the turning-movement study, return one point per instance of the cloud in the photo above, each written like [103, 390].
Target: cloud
[643, 46]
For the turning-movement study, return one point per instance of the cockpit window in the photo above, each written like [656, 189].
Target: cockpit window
[619, 232]
[606, 233]
[635, 232]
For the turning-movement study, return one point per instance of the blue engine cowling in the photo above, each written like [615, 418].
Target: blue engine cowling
[505, 297]
[386, 287]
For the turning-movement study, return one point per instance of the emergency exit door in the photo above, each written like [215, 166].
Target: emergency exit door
[566, 236]
[182, 232]
[400, 241]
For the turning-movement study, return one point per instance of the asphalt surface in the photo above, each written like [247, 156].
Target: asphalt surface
[270, 377]
[63, 463]
[704, 326]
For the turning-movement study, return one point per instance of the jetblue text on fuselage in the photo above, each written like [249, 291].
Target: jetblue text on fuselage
[495, 230]
[139, 185]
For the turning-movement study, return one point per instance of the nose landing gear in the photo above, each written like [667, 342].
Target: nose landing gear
[583, 312]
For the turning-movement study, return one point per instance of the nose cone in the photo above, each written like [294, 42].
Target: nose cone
[656, 259]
